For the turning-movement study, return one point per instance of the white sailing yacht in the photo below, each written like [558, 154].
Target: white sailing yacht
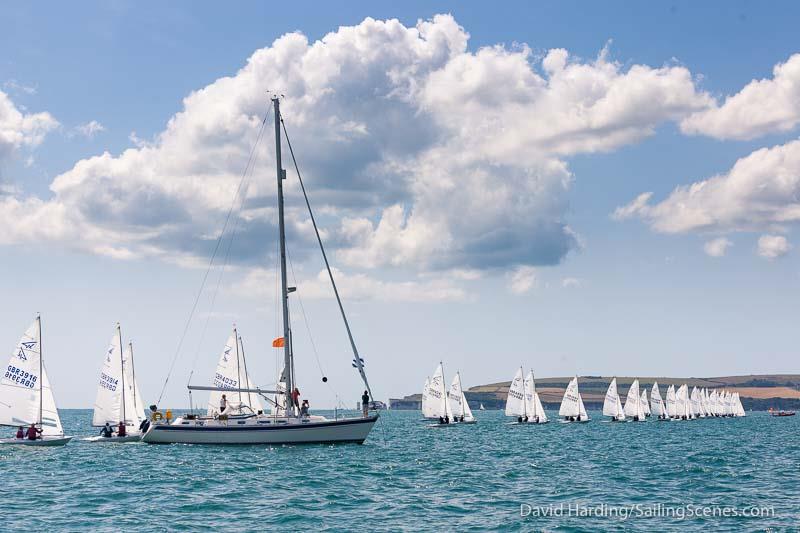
[292, 428]
[117, 398]
[611, 405]
[658, 407]
[230, 378]
[523, 401]
[634, 408]
[25, 394]
[697, 408]
[458, 402]
[572, 408]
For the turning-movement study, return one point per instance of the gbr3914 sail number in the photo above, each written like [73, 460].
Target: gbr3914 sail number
[20, 377]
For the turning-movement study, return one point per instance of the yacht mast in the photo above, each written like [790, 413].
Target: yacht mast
[287, 338]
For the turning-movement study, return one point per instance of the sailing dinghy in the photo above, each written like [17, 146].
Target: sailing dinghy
[118, 398]
[572, 408]
[634, 408]
[438, 406]
[230, 378]
[645, 403]
[458, 402]
[263, 428]
[523, 401]
[611, 405]
[658, 407]
[25, 394]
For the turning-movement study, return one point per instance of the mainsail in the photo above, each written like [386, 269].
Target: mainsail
[427, 404]
[633, 403]
[24, 399]
[231, 374]
[671, 402]
[570, 406]
[437, 397]
[116, 399]
[656, 401]
[611, 404]
[458, 401]
[515, 402]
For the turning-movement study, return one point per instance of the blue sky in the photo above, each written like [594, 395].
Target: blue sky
[468, 196]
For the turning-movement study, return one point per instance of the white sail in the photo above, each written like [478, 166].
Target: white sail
[538, 408]
[137, 394]
[22, 395]
[697, 408]
[657, 402]
[583, 415]
[682, 402]
[529, 390]
[437, 395]
[611, 404]
[671, 407]
[231, 373]
[427, 407]
[633, 403]
[458, 401]
[738, 407]
[515, 402]
[108, 400]
[570, 403]
[645, 403]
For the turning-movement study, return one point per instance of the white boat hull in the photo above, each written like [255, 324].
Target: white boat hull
[263, 431]
[126, 438]
[46, 441]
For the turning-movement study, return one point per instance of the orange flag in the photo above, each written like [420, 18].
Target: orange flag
[278, 343]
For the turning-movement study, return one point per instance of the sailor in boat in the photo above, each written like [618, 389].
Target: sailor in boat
[20, 433]
[121, 430]
[304, 409]
[107, 431]
[33, 432]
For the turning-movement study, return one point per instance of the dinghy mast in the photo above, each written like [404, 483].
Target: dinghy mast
[122, 366]
[41, 373]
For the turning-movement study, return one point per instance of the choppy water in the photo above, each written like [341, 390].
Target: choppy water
[407, 476]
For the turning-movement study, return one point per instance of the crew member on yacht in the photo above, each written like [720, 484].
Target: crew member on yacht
[304, 409]
[365, 403]
[296, 398]
[223, 404]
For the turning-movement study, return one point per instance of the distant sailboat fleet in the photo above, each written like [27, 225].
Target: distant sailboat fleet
[525, 406]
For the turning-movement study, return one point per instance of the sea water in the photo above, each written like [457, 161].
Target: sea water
[407, 476]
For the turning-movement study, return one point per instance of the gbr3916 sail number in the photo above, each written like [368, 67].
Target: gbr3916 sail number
[20, 377]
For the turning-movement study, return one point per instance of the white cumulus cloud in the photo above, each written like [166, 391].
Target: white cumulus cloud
[773, 246]
[20, 129]
[522, 279]
[88, 129]
[761, 107]
[717, 247]
[419, 153]
[760, 191]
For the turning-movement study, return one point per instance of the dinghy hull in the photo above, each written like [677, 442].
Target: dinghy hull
[264, 431]
[110, 440]
[47, 441]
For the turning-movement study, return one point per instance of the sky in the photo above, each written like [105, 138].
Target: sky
[576, 188]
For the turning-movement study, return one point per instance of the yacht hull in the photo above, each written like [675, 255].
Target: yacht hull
[351, 430]
[109, 440]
